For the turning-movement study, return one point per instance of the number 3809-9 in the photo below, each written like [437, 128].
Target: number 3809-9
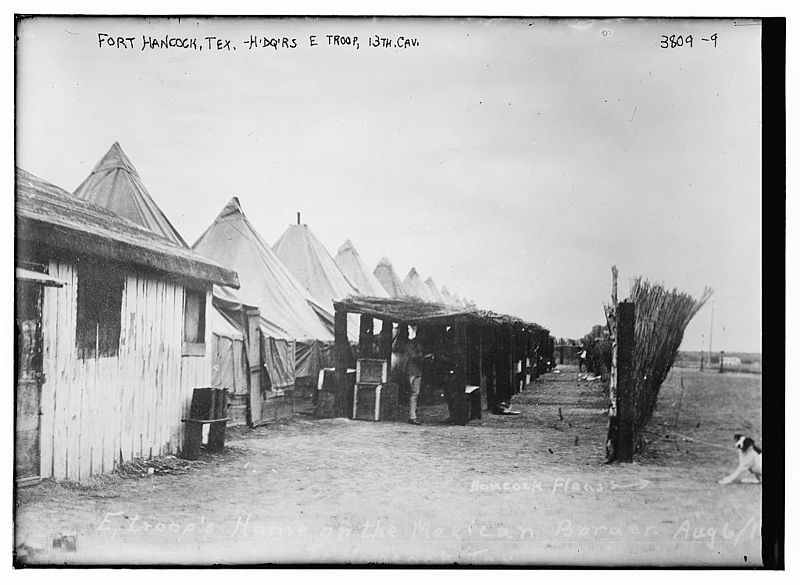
[674, 41]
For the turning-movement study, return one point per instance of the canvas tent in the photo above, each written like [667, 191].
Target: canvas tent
[230, 366]
[385, 274]
[447, 297]
[315, 269]
[114, 184]
[349, 262]
[415, 287]
[433, 289]
[294, 337]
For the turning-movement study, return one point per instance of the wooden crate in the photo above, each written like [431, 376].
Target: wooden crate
[371, 371]
[375, 401]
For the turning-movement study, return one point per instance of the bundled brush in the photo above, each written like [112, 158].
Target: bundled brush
[597, 344]
[661, 319]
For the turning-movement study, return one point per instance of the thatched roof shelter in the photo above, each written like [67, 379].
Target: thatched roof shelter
[414, 311]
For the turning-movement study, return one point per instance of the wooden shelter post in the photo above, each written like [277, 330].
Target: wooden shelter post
[365, 336]
[385, 341]
[341, 354]
[487, 366]
[460, 357]
[512, 373]
[254, 361]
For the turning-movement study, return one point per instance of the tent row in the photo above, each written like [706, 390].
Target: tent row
[287, 290]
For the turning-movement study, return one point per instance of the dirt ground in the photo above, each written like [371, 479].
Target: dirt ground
[528, 489]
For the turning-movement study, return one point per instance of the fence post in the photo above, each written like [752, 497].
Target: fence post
[626, 321]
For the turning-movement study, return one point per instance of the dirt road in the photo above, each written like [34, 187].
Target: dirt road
[528, 489]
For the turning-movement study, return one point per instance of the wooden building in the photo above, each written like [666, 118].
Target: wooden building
[112, 335]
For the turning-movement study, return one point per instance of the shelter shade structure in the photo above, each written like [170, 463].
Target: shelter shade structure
[492, 351]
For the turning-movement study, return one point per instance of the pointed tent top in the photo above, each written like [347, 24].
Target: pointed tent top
[233, 207]
[414, 286]
[434, 290]
[446, 296]
[346, 247]
[115, 184]
[349, 262]
[312, 265]
[388, 278]
[115, 158]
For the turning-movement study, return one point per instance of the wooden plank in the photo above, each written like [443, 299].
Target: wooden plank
[116, 425]
[104, 390]
[175, 388]
[60, 388]
[207, 358]
[143, 359]
[85, 370]
[169, 368]
[73, 391]
[154, 405]
[178, 396]
[162, 428]
[49, 337]
[169, 383]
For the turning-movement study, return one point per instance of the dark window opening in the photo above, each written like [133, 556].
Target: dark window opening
[194, 322]
[99, 316]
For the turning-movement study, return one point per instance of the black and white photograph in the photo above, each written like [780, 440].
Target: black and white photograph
[402, 291]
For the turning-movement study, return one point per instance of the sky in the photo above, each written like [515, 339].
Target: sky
[513, 160]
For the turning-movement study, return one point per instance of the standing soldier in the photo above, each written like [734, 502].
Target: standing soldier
[414, 373]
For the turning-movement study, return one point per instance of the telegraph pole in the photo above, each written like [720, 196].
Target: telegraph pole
[702, 343]
[710, 332]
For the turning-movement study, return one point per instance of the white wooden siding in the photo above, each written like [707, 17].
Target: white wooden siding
[98, 410]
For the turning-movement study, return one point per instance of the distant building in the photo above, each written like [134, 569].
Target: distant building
[731, 362]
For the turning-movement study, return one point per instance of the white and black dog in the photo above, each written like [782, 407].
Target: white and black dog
[749, 459]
